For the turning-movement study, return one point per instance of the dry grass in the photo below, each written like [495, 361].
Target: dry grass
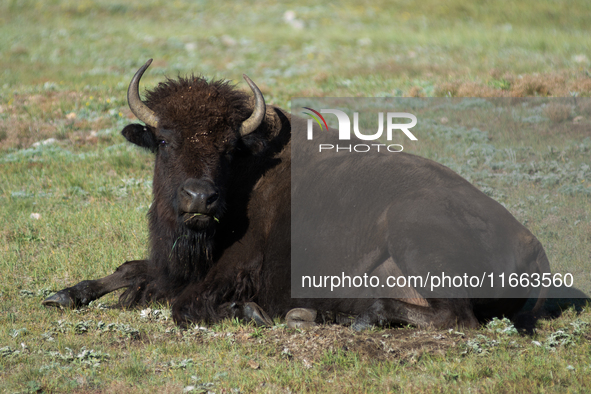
[415, 91]
[558, 84]
[472, 89]
[558, 113]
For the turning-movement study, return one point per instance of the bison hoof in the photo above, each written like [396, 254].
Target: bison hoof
[251, 311]
[301, 318]
[61, 299]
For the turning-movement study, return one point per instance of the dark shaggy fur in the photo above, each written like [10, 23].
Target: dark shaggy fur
[195, 104]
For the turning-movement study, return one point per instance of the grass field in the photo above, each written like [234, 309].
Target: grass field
[74, 195]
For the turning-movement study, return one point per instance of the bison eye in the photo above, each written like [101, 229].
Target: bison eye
[162, 143]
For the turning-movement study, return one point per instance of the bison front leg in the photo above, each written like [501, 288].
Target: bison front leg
[89, 290]
[209, 303]
[195, 312]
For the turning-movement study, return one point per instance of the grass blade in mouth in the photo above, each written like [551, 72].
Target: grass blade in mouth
[200, 214]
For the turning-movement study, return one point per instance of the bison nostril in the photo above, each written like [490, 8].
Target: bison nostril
[213, 198]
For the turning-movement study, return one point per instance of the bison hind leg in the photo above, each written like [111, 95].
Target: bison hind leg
[441, 313]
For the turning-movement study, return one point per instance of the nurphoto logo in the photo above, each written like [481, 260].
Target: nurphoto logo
[345, 130]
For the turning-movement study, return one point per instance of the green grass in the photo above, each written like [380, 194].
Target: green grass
[65, 66]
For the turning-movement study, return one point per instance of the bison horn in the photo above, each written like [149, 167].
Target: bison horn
[136, 104]
[252, 123]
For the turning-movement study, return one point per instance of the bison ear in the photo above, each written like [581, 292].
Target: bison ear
[269, 130]
[140, 135]
[254, 143]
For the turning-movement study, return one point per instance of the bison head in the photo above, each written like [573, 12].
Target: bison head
[195, 128]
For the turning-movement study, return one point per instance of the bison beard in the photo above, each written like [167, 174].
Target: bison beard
[232, 159]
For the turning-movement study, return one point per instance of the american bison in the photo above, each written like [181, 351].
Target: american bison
[220, 224]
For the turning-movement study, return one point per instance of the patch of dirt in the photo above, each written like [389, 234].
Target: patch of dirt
[402, 345]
